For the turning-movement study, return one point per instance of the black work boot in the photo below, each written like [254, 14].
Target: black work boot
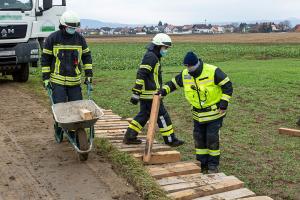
[172, 141]
[131, 137]
[204, 169]
[213, 170]
[132, 141]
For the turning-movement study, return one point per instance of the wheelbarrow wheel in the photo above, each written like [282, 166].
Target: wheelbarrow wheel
[58, 134]
[82, 143]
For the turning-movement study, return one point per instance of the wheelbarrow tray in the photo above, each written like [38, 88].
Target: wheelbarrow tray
[67, 114]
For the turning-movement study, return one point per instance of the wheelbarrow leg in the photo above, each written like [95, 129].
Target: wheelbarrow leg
[58, 133]
[82, 143]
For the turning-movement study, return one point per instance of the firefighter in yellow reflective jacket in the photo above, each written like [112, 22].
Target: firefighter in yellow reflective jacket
[208, 90]
[63, 52]
[149, 82]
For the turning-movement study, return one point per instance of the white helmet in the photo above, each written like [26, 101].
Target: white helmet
[162, 39]
[70, 19]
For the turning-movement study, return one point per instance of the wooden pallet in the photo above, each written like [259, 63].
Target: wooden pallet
[180, 180]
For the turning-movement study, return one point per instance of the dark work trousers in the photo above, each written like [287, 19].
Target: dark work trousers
[206, 137]
[61, 94]
[139, 121]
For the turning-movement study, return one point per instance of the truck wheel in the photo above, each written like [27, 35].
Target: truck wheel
[22, 74]
[82, 143]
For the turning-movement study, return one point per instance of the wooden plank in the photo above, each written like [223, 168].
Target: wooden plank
[288, 131]
[207, 179]
[109, 124]
[120, 142]
[257, 198]
[179, 169]
[199, 183]
[230, 195]
[142, 146]
[112, 127]
[141, 149]
[161, 157]
[110, 135]
[171, 166]
[117, 131]
[110, 117]
[151, 128]
[86, 114]
[115, 137]
[106, 110]
[223, 186]
[109, 120]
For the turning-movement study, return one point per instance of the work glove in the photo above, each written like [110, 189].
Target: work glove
[88, 80]
[135, 98]
[47, 83]
[162, 92]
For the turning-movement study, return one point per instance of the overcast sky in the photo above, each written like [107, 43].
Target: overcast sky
[184, 11]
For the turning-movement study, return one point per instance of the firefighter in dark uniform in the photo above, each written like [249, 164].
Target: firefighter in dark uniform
[149, 82]
[208, 89]
[63, 52]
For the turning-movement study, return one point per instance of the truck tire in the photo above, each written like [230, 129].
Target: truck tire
[22, 74]
[82, 144]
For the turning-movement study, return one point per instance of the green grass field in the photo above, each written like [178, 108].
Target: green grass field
[266, 96]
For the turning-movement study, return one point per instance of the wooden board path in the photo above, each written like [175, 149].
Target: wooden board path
[181, 180]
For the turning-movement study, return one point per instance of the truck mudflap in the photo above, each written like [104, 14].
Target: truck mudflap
[12, 55]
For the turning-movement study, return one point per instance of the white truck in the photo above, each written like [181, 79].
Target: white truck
[23, 26]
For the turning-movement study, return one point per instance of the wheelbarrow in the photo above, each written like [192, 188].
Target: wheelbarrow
[69, 123]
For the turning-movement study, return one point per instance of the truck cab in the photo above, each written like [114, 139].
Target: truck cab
[23, 26]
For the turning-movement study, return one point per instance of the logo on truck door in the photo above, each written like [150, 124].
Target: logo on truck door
[5, 32]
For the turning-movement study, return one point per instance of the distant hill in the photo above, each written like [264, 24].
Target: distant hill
[91, 23]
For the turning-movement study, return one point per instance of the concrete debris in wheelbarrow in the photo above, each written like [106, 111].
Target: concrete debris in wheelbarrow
[70, 112]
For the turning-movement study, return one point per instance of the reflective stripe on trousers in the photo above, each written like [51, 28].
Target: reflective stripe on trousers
[163, 121]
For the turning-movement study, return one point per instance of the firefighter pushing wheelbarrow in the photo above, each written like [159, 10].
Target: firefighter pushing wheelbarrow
[65, 55]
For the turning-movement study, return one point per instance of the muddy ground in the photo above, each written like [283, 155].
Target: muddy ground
[34, 166]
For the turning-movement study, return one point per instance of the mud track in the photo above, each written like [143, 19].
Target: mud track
[33, 166]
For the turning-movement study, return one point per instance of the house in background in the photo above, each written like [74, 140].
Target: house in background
[177, 30]
[187, 29]
[297, 28]
[118, 31]
[202, 29]
[229, 28]
[105, 30]
[169, 29]
[218, 29]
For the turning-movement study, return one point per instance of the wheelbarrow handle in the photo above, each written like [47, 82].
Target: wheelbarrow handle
[49, 90]
[89, 90]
